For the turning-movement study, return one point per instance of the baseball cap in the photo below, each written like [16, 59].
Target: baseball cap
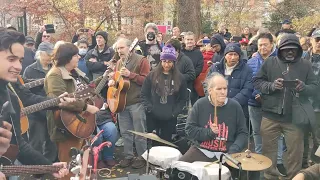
[46, 47]
[316, 33]
[286, 21]
[29, 40]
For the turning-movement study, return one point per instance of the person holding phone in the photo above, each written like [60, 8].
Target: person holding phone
[84, 34]
[44, 35]
[273, 80]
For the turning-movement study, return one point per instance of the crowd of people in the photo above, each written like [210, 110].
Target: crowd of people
[264, 81]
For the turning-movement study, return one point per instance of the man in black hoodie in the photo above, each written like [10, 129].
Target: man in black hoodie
[196, 57]
[218, 45]
[277, 102]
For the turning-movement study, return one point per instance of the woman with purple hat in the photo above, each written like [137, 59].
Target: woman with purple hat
[164, 94]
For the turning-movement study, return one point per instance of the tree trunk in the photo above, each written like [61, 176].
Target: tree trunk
[189, 16]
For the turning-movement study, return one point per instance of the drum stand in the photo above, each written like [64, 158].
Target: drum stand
[149, 143]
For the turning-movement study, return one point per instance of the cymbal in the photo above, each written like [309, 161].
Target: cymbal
[154, 137]
[251, 161]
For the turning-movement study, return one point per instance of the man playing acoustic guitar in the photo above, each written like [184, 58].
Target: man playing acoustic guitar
[11, 56]
[135, 68]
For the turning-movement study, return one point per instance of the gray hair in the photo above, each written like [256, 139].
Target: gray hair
[211, 78]
[125, 40]
[189, 33]
[37, 56]
[151, 25]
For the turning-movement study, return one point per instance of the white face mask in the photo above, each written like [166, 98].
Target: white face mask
[83, 52]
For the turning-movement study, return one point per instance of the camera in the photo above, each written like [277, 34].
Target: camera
[151, 36]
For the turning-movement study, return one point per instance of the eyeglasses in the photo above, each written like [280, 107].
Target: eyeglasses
[45, 36]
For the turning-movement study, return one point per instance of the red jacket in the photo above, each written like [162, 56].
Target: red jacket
[207, 56]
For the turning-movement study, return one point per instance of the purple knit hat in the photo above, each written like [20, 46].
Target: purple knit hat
[168, 53]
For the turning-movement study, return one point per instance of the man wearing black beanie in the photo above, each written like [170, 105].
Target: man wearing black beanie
[218, 45]
[98, 57]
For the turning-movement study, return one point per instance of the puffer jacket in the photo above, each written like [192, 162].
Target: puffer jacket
[255, 64]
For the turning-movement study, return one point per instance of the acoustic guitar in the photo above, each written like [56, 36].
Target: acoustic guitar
[79, 124]
[98, 100]
[117, 94]
[34, 83]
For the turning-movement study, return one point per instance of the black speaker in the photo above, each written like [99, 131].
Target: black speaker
[176, 174]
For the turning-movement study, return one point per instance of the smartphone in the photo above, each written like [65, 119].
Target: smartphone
[290, 84]
[49, 28]
[237, 38]
[206, 41]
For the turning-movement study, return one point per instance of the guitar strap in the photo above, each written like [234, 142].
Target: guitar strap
[20, 102]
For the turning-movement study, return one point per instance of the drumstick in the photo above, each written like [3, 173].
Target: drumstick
[211, 163]
[215, 118]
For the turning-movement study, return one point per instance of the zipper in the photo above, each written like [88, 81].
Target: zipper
[285, 90]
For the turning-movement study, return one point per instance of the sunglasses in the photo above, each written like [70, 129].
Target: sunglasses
[45, 36]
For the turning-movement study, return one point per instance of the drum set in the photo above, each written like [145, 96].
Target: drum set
[163, 162]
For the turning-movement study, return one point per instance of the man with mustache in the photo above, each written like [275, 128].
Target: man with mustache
[279, 103]
[11, 56]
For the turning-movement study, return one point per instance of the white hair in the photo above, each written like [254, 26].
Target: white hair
[58, 43]
[125, 40]
[153, 26]
[211, 82]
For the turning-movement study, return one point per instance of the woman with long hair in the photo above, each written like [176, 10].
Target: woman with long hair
[164, 94]
[64, 76]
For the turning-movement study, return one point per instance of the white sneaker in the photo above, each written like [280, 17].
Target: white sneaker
[119, 143]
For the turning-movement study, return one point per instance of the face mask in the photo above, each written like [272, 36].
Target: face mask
[151, 36]
[83, 52]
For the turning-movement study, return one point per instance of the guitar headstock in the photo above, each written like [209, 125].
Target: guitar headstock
[133, 44]
[84, 92]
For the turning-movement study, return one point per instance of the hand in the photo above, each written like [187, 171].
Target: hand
[111, 83]
[105, 105]
[65, 101]
[92, 109]
[62, 172]
[107, 63]
[110, 75]
[93, 60]
[258, 98]
[214, 128]
[124, 72]
[277, 84]
[5, 137]
[299, 176]
[42, 29]
[2, 176]
[209, 63]
[300, 85]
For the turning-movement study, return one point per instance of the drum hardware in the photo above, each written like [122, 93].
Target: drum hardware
[233, 161]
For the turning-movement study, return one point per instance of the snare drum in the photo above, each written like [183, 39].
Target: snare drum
[162, 156]
[213, 170]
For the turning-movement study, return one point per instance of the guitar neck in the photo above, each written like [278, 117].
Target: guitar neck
[28, 169]
[38, 107]
[34, 83]
[101, 84]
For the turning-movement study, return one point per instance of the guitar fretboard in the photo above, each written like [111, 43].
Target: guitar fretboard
[34, 83]
[40, 106]
[28, 169]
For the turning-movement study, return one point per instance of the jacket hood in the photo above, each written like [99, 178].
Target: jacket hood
[219, 38]
[289, 40]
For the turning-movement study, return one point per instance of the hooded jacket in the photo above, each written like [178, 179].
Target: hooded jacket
[219, 55]
[277, 104]
[315, 61]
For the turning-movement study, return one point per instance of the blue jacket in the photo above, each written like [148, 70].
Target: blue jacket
[255, 64]
[83, 66]
[239, 82]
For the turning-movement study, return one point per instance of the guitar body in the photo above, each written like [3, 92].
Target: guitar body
[81, 125]
[117, 95]
[98, 101]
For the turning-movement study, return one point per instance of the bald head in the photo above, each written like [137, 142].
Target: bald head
[218, 88]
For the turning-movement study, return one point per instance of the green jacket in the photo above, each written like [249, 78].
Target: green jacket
[57, 81]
